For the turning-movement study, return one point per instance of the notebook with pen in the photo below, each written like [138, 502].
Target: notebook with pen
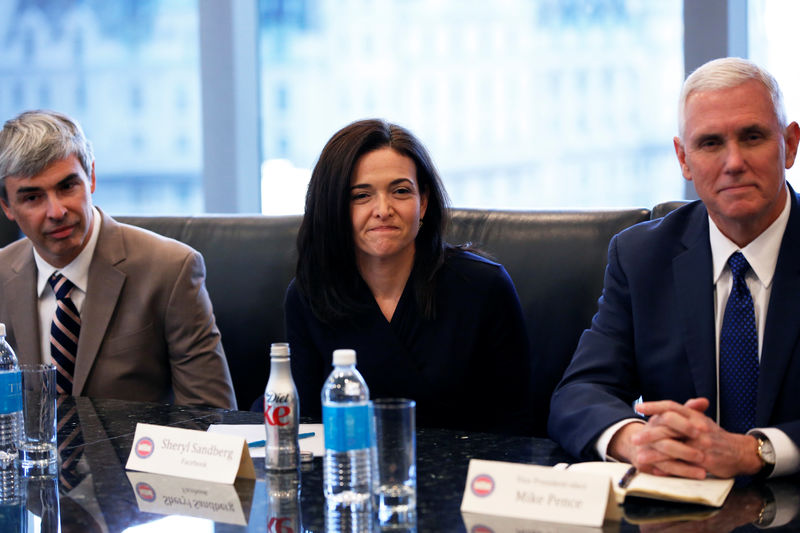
[711, 492]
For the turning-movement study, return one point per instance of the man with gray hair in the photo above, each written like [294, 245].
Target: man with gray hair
[691, 366]
[122, 312]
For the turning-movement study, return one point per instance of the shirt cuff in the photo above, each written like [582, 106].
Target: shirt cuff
[787, 454]
[601, 445]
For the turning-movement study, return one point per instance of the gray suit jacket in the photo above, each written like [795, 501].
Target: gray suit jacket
[147, 327]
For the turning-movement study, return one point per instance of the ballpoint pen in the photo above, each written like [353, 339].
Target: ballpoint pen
[262, 443]
[627, 477]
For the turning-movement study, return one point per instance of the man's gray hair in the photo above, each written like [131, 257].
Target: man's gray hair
[725, 73]
[34, 140]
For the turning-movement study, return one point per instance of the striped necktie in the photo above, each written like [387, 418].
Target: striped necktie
[64, 333]
[70, 445]
[738, 354]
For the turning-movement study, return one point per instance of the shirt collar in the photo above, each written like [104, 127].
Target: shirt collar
[78, 270]
[761, 253]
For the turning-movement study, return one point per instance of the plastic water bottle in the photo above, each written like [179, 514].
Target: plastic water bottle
[10, 417]
[281, 414]
[347, 419]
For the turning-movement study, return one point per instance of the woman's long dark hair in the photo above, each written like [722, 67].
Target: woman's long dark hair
[327, 274]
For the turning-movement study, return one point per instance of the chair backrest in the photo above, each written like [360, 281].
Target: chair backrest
[9, 231]
[557, 260]
[665, 208]
[249, 261]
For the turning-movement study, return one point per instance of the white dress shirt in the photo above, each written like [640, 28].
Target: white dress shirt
[762, 255]
[77, 272]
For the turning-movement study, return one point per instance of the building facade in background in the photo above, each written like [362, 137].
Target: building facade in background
[128, 70]
[548, 103]
[522, 103]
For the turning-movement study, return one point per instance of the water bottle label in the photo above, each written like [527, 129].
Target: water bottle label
[347, 427]
[10, 392]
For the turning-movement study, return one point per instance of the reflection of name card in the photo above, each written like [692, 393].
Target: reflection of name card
[190, 453]
[170, 495]
[484, 523]
[535, 493]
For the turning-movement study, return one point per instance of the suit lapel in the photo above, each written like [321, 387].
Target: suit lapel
[24, 312]
[105, 286]
[692, 273]
[783, 320]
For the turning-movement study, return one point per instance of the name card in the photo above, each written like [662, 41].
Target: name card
[169, 495]
[189, 453]
[535, 493]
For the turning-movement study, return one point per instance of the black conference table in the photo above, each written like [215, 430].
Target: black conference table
[95, 493]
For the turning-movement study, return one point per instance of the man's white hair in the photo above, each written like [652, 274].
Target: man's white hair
[725, 73]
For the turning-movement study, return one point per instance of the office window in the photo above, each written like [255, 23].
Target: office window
[117, 67]
[522, 103]
[772, 44]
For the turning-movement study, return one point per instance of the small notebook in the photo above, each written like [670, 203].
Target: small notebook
[711, 492]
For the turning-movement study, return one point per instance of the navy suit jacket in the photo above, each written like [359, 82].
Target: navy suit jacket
[654, 336]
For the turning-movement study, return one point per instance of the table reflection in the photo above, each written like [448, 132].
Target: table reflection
[93, 492]
[283, 500]
[771, 504]
[42, 508]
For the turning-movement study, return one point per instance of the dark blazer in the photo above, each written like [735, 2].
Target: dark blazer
[147, 328]
[467, 368]
[653, 334]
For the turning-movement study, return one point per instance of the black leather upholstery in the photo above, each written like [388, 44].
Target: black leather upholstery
[9, 231]
[665, 207]
[249, 262]
[556, 259]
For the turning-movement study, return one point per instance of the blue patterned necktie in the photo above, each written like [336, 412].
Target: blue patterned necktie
[64, 333]
[738, 354]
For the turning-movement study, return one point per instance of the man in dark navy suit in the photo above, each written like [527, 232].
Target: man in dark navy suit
[718, 375]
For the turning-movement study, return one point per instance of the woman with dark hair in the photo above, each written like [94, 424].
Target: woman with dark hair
[429, 321]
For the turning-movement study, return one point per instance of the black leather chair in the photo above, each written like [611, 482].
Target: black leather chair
[556, 259]
[249, 262]
[9, 231]
[666, 207]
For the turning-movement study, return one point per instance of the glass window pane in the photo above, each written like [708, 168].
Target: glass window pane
[128, 70]
[522, 103]
[772, 44]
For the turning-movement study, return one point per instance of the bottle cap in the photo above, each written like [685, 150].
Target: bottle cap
[2, 330]
[344, 357]
[279, 349]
